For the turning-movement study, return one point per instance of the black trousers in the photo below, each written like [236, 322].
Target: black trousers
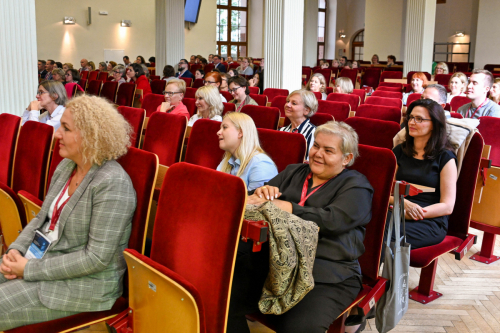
[314, 313]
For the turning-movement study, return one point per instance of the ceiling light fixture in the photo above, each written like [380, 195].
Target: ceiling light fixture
[69, 20]
[459, 33]
[126, 23]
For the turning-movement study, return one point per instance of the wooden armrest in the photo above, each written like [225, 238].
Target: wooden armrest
[407, 189]
[424, 188]
[31, 203]
[281, 122]
[352, 114]
[188, 132]
[268, 104]
[162, 171]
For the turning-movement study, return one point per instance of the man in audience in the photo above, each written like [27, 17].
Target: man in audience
[49, 66]
[183, 70]
[218, 65]
[126, 61]
[210, 58]
[41, 68]
[437, 93]
[85, 65]
[343, 61]
[391, 60]
[480, 83]
[325, 64]
[192, 59]
[229, 60]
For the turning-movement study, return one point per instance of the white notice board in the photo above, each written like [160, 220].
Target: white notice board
[114, 55]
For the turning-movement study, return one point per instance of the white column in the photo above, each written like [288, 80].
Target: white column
[283, 38]
[419, 41]
[18, 48]
[310, 44]
[169, 33]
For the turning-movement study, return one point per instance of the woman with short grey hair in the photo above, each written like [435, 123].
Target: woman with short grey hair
[118, 74]
[300, 106]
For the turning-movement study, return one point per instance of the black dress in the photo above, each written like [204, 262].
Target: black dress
[431, 231]
[341, 208]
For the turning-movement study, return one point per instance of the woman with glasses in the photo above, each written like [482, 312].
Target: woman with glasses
[238, 87]
[208, 104]
[441, 68]
[224, 84]
[52, 97]
[245, 68]
[174, 93]
[232, 72]
[215, 79]
[418, 84]
[426, 158]
[118, 73]
[135, 73]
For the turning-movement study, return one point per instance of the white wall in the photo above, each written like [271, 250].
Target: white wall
[71, 43]
[350, 20]
[331, 29]
[310, 50]
[384, 28]
[457, 15]
[488, 26]
[200, 38]
[256, 28]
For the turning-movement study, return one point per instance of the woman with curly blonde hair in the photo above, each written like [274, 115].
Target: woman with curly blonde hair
[84, 224]
[208, 104]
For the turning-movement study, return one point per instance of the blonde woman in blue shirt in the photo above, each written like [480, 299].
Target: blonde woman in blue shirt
[244, 157]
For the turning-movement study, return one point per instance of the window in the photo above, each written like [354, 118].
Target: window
[358, 44]
[232, 27]
[321, 28]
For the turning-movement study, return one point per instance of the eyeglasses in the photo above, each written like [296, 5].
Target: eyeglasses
[182, 63]
[417, 119]
[67, 74]
[209, 82]
[171, 93]
[441, 68]
[40, 92]
[233, 90]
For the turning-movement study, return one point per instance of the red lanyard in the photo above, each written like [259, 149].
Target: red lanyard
[303, 197]
[476, 108]
[56, 213]
[241, 105]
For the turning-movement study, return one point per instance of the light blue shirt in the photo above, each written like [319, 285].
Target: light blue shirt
[259, 170]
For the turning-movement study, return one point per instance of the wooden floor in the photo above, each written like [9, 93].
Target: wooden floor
[471, 300]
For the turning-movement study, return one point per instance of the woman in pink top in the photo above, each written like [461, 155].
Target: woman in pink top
[174, 93]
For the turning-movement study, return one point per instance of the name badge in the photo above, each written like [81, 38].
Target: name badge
[38, 247]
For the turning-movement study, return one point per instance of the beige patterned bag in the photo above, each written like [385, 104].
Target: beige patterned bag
[292, 249]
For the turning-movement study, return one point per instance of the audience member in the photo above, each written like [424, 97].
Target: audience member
[52, 97]
[215, 79]
[348, 65]
[251, 64]
[168, 73]
[103, 67]
[495, 91]
[343, 85]
[58, 64]
[238, 87]
[192, 59]
[184, 70]
[49, 66]
[152, 61]
[174, 93]
[232, 72]
[110, 66]
[339, 203]
[91, 66]
[437, 93]
[140, 60]
[58, 75]
[457, 85]
[325, 65]
[300, 106]
[199, 74]
[335, 63]
[256, 81]
[85, 65]
[208, 104]
[126, 61]
[343, 61]
[243, 155]
[441, 68]
[67, 66]
[418, 84]
[224, 84]
[355, 64]
[119, 74]
[90, 236]
[245, 68]
[72, 76]
[480, 83]
[229, 60]
[375, 60]
[391, 61]
[136, 74]
[317, 83]
[210, 58]
[41, 69]
[203, 62]
[218, 65]
[321, 62]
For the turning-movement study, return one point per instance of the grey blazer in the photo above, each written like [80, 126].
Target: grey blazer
[83, 269]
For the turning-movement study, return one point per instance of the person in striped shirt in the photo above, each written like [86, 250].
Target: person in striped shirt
[300, 106]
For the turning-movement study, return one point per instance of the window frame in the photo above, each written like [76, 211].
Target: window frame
[229, 43]
[323, 43]
[357, 44]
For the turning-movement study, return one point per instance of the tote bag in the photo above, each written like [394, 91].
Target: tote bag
[394, 303]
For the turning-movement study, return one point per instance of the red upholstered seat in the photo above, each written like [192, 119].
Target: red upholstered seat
[125, 94]
[319, 95]
[155, 77]
[208, 68]
[353, 100]
[456, 115]
[488, 127]
[233, 65]
[317, 119]
[390, 75]
[384, 101]
[188, 81]
[279, 102]
[380, 112]
[198, 83]
[389, 94]
[94, 87]
[443, 79]
[349, 73]
[158, 86]
[135, 117]
[384, 88]
[190, 92]
[254, 90]
[273, 92]
[374, 132]
[424, 256]
[151, 102]
[307, 71]
[329, 90]
[458, 101]
[103, 76]
[410, 75]
[108, 90]
[263, 116]
[447, 107]
[84, 75]
[361, 93]
[284, 148]
[327, 73]
[228, 107]
[203, 145]
[193, 68]
[227, 95]
[190, 105]
[371, 77]
[165, 137]
[391, 85]
[260, 99]
[9, 131]
[412, 98]
[93, 75]
[339, 110]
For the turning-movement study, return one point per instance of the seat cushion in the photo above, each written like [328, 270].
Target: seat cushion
[58, 325]
[424, 256]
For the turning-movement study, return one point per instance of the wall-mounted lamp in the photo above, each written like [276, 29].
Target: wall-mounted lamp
[459, 33]
[341, 35]
[69, 20]
[125, 23]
